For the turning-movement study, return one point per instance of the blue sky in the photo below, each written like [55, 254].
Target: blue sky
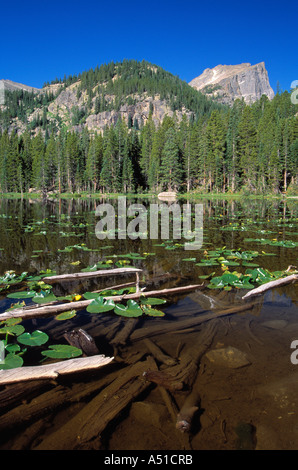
[44, 40]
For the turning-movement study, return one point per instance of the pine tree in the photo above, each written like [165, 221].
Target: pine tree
[232, 156]
[247, 150]
[171, 169]
[110, 172]
[147, 136]
[216, 139]
[38, 163]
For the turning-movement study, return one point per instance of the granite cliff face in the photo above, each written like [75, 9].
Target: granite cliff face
[229, 82]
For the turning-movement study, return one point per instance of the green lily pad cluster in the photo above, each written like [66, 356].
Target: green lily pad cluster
[170, 245]
[274, 242]
[14, 351]
[250, 279]
[130, 309]
[229, 257]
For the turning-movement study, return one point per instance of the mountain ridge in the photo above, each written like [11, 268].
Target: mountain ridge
[130, 90]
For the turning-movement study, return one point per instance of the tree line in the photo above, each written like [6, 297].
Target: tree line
[247, 148]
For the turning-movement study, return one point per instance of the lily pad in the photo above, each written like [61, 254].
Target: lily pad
[13, 330]
[152, 312]
[151, 301]
[37, 338]
[22, 294]
[100, 305]
[132, 309]
[11, 361]
[62, 351]
[44, 297]
[66, 315]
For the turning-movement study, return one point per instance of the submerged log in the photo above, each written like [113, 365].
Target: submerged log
[189, 408]
[52, 371]
[14, 393]
[158, 328]
[181, 375]
[164, 379]
[123, 334]
[51, 400]
[158, 354]
[271, 285]
[82, 304]
[84, 430]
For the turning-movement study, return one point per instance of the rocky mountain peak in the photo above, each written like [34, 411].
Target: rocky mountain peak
[229, 82]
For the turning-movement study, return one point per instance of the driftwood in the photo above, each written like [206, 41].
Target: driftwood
[82, 304]
[90, 274]
[52, 371]
[271, 285]
[84, 430]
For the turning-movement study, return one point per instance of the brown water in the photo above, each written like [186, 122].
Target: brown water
[253, 406]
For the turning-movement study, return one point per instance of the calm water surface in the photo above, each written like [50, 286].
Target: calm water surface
[33, 237]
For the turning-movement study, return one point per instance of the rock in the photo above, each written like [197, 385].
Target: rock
[275, 324]
[148, 413]
[228, 357]
[229, 82]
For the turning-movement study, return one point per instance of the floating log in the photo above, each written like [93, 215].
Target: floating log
[271, 285]
[48, 310]
[88, 275]
[52, 371]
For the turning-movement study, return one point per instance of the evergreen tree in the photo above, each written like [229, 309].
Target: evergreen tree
[171, 170]
[247, 150]
[216, 139]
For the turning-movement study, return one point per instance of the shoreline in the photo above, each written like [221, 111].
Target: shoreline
[83, 195]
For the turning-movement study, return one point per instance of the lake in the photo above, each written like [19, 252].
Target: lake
[233, 356]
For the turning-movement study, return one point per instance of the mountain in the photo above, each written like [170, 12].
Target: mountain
[229, 82]
[13, 86]
[99, 97]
